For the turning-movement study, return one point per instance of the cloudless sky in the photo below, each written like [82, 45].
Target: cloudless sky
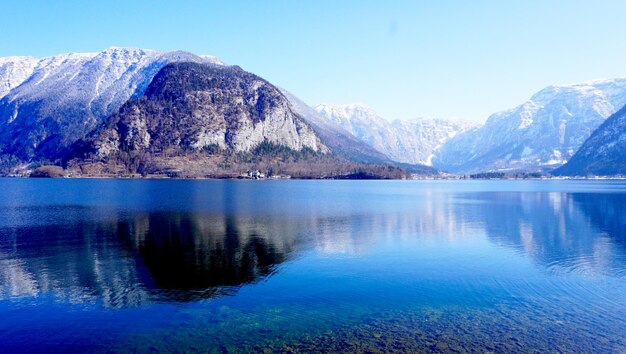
[405, 59]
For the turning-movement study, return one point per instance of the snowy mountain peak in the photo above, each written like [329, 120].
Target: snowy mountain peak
[359, 120]
[15, 59]
[53, 72]
[346, 110]
[41, 92]
[212, 59]
[116, 49]
[600, 87]
[65, 57]
[348, 115]
[14, 71]
[541, 133]
[410, 141]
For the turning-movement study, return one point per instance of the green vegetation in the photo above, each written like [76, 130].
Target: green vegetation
[277, 151]
[503, 175]
[487, 175]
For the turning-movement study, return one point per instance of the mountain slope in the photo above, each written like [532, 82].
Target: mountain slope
[62, 107]
[191, 106]
[604, 153]
[14, 71]
[334, 136]
[47, 104]
[541, 133]
[408, 141]
[198, 120]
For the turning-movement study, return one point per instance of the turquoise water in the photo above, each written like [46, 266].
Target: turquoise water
[312, 266]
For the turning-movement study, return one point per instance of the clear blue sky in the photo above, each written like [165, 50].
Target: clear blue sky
[403, 58]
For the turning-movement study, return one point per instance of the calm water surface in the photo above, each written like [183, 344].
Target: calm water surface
[283, 266]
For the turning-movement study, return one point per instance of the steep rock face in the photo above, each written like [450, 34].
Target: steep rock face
[408, 141]
[542, 133]
[190, 107]
[47, 104]
[604, 153]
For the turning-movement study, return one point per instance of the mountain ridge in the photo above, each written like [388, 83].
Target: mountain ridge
[411, 141]
[48, 104]
[68, 95]
[197, 120]
[538, 135]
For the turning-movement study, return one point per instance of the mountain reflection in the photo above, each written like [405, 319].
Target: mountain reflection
[563, 232]
[129, 258]
[606, 212]
[190, 256]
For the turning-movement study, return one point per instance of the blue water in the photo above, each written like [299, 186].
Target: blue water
[306, 266]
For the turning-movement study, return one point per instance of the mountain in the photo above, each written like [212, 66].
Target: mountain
[604, 153]
[408, 141]
[191, 106]
[199, 120]
[540, 134]
[336, 137]
[64, 108]
[14, 71]
[47, 104]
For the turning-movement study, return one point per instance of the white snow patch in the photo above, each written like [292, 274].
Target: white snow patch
[527, 151]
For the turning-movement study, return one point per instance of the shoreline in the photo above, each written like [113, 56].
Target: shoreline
[337, 178]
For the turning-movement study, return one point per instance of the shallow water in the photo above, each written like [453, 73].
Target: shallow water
[284, 266]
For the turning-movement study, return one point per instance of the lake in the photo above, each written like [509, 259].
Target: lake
[312, 266]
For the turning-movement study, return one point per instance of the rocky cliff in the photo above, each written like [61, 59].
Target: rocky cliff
[191, 107]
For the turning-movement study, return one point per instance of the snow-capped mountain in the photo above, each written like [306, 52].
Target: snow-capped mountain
[542, 133]
[14, 71]
[191, 107]
[409, 141]
[46, 104]
[335, 136]
[69, 109]
[604, 153]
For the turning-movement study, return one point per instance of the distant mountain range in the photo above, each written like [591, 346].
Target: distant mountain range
[335, 137]
[410, 141]
[541, 134]
[537, 136]
[126, 109]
